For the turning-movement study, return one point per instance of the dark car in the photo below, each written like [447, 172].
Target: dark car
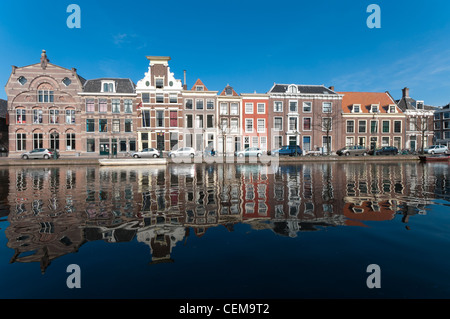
[385, 150]
[291, 150]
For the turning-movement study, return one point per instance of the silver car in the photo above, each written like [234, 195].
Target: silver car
[45, 153]
[146, 152]
[183, 151]
[436, 149]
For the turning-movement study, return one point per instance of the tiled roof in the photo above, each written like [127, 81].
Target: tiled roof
[366, 99]
[229, 91]
[305, 89]
[199, 83]
[408, 103]
[122, 85]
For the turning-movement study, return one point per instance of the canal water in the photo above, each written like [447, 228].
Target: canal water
[313, 230]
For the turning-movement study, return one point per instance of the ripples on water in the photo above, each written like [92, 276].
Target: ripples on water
[52, 212]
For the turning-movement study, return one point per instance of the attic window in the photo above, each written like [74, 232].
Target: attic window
[199, 88]
[159, 83]
[292, 89]
[66, 81]
[391, 108]
[108, 87]
[374, 108]
[356, 108]
[419, 105]
[22, 80]
[228, 91]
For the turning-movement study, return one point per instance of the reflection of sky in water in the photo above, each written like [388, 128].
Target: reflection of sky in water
[236, 229]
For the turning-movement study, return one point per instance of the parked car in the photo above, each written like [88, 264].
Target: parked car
[146, 152]
[249, 151]
[316, 152]
[183, 151]
[45, 153]
[436, 149]
[385, 150]
[291, 150]
[353, 150]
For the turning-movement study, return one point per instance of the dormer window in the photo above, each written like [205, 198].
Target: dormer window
[159, 83]
[374, 108]
[292, 89]
[419, 105]
[356, 108]
[392, 109]
[199, 88]
[108, 87]
[229, 91]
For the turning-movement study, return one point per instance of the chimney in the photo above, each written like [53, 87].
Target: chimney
[184, 84]
[331, 88]
[405, 92]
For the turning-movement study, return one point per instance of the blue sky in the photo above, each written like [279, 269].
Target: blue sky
[247, 44]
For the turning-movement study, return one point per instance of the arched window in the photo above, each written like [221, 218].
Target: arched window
[45, 93]
[292, 89]
[37, 139]
[54, 140]
[37, 116]
[70, 116]
[21, 117]
[53, 116]
[70, 141]
[21, 141]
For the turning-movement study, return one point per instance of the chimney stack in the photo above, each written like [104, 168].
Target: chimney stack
[184, 84]
[405, 92]
[332, 88]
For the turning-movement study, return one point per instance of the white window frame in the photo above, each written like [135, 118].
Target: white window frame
[246, 126]
[279, 103]
[258, 105]
[274, 122]
[258, 121]
[310, 107]
[249, 107]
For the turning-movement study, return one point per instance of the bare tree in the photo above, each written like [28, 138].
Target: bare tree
[422, 123]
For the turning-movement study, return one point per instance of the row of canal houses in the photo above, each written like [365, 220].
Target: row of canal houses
[51, 106]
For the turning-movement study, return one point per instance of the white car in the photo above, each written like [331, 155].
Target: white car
[146, 152]
[250, 151]
[436, 149]
[183, 151]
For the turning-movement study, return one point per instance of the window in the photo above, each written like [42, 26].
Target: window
[20, 116]
[132, 145]
[419, 105]
[145, 118]
[293, 106]
[349, 141]
[159, 118]
[374, 108]
[278, 106]
[37, 116]
[413, 124]
[228, 91]
[292, 89]
[327, 124]
[189, 121]
[224, 125]
[70, 141]
[248, 108]
[437, 116]
[90, 106]
[307, 107]
[249, 125]
[397, 126]
[108, 87]
[326, 107]
[278, 124]
[159, 83]
[90, 145]
[116, 125]
[102, 105]
[209, 121]
[123, 146]
[22, 80]
[277, 141]
[128, 125]
[234, 108]
[373, 126]
[103, 125]
[385, 141]
[261, 125]
[261, 108]
[159, 98]
[199, 104]
[234, 125]
[199, 121]
[446, 115]
[210, 104]
[223, 109]
[116, 106]
[188, 104]
[66, 81]
[255, 141]
[306, 143]
[173, 98]
[53, 116]
[37, 140]
[356, 108]
[70, 116]
[45, 96]
[173, 118]
[392, 108]
[90, 125]
[361, 126]
[21, 139]
[386, 126]
[199, 88]
[293, 124]
[351, 126]
[145, 97]
[307, 124]
[128, 106]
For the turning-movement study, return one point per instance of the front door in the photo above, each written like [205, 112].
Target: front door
[160, 141]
